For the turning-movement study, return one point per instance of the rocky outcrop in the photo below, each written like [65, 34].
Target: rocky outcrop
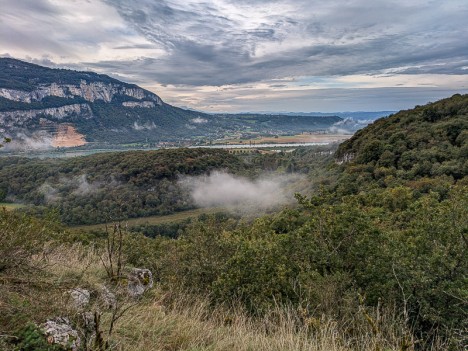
[59, 331]
[19, 117]
[108, 298]
[89, 91]
[79, 298]
[143, 104]
[347, 157]
[139, 281]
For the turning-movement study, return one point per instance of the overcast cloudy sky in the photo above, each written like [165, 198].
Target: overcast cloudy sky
[254, 55]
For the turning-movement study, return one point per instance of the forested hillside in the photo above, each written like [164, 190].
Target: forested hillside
[422, 148]
[389, 233]
[375, 257]
[108, 186]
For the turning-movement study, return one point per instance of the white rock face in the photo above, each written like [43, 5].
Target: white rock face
[143, 104]
[348, 157]
[88, 91]
[59, 331]
[17, 118]
[15, 95]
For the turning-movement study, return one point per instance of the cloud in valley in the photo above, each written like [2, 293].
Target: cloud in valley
[40, 140]
[221, 189]
[144, 126]
[199, 120]
[79, 185]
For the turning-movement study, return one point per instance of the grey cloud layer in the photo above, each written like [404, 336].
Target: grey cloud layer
[187, 45]
[208, 47]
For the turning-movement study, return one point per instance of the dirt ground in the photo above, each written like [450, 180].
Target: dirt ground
[67, 136]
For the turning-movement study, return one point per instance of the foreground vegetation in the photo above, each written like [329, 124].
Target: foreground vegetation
[178, 319]
[169, 320]
[375, 258]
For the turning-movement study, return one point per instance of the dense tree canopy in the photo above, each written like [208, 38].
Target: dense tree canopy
[423, 148]
[106, 186]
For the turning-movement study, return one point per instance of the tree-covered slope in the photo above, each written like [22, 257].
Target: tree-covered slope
[390, 236]
[20, 75]
[102, 187]
[411, 147]
[381, 256]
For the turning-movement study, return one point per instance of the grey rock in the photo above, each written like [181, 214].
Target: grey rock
[139, 281]
[143, 104]
[18, 118]
[91, 92]
[80, 297]
[88, 322]
[348, 157]
[59, 331]
[108, 298]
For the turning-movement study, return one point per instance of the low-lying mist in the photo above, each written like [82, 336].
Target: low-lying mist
[239, 194]
[77, 186]
[38, 141]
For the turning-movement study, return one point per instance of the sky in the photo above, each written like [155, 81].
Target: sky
[254, 55]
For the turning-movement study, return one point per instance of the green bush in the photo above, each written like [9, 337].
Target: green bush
[31, 338]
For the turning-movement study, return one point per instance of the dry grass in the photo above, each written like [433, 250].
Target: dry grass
[191, 324]
[163, 322]
[74, 264]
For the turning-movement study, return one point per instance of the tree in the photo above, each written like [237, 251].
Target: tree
[5, 140]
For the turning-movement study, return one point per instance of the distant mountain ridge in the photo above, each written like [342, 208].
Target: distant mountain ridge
[36, 102]
[347, 114]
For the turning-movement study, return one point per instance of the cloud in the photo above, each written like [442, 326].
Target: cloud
[222, 42]
[144, 126]
[349, 125]
[295, 98]
[76, 185]
[67, 31]
[23, 142]
[199, 120]
[83, 187]
[51, 194]
[193, 45]
[221, 189]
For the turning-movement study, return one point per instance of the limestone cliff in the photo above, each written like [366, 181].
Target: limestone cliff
[21, 117]
[90, 91]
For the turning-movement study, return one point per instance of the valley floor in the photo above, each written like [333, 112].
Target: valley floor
[152, 220]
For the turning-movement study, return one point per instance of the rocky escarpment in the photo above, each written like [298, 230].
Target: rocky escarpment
[63, 107]
[90, 91]
[75, 107]
[347, 157]
[20, 117]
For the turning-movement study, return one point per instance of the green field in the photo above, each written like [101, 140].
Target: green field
[152, 220]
